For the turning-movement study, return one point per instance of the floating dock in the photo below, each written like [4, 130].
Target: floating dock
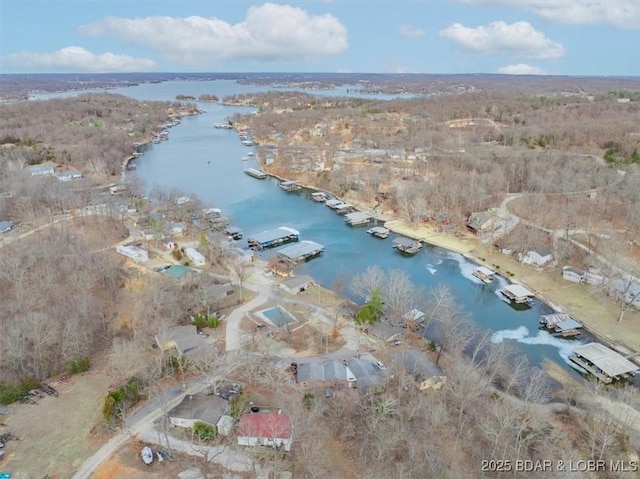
[261, 175]
[379, 232]
[289, 185]
[407, 245]
[603, 363]
[344, 208]
[302, 251]
[561, 324]
[357, 218]
[518, 294]
[484, 274]
[271, 238]
[319, 196]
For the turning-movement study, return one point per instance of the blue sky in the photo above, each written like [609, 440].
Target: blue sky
[557, 37]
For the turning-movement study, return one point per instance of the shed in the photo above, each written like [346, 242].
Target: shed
[6, 226]
[573, 274]
[42, 170]
[297, 284]
[265, 429]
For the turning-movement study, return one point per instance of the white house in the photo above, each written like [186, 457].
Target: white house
[265, 429]
[537, 257]
[42, 170]
[138, 255]
[572, 274]
[195, 257]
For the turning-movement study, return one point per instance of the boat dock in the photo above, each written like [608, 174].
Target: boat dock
[603, 363]
[407, 245]
[484, 274]
[261, 175]
[357, 218]
[271, 238]
[289, 185]
[302, 251]
[333, 204]
[233, 232]
[518, 294]
[344, 208]
[319, 196]
[379, 232]
[561, 324]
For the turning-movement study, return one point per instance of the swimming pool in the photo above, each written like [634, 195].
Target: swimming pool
[278, 316]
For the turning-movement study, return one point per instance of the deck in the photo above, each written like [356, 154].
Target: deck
[379, 232]
[289, 185]
[357, 218]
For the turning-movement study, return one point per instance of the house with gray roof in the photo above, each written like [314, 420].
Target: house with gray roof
[368, 375]
[539, 256]
[424, 371]
[6, 226]
[331, 373]
[208, 409]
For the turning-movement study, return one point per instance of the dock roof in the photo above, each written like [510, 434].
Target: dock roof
[567, 325]
[610, 362]
[272, 235]
[378, 229]
[404, 241]
[518, 291]
[301, 249]
[486, 271]
[357, 216]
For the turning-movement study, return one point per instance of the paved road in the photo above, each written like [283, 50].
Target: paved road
[137, 423]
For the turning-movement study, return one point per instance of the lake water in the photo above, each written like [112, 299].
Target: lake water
[205, 161]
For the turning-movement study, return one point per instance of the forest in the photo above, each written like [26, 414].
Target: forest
[67, 297]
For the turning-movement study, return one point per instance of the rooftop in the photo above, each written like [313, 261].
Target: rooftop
[518, 291]
[271, 235]
[271, 425]
[297, 251]
[417, 364]
[611, 363]
[207, 409]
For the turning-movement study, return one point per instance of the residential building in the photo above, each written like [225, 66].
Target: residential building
[297, 284]
[272, 429]
[135, 253]
[424, 371]
[6, 226]
[539, 256]
[195, 257]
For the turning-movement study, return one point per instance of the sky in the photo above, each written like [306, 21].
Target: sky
[552, 37]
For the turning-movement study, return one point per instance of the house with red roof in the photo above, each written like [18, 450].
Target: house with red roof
[265, 429]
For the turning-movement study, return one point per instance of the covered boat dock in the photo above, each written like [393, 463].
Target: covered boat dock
[407, 245]
[603, 363]
[261, 175]
[302, 251]
[484, 274]
[271, 238]
[562, 324]
[379, 232]
[517, 294]
[357, 218]
[289, 185]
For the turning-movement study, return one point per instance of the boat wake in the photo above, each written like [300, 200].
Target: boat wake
[565, 347]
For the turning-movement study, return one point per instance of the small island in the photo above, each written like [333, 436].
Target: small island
[185, 98]
[208, 97]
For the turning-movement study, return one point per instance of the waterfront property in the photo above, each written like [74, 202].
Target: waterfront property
[333, 203]
[319, 196]
[407, 245]
[233, 232]
[537, 257]
[272, 429]
[603, 363]
[343, 208]
[289, 185]
[561, 324]
[484, 274]
[332, 373]
[259, 174]
[426, 374]
[517, 294]
[271, 238]
[357, 218]
[299, 252]
[379, 232]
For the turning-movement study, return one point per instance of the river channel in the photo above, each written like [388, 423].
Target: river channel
[205, 161]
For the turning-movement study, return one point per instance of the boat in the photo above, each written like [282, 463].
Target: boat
[379, 232]
[147, 455]
[289, 185]
[319, 196]
[251, 153]
[484, 274]
[247, 142]
[261, 175]
[245, 158]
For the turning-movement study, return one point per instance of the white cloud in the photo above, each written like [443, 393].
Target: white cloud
[77, 60]
[518, 39]
[521, 69]
[269, 32]
[410, 31]
[617, 13]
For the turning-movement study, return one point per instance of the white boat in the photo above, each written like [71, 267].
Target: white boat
[147, 455]
[245, 158]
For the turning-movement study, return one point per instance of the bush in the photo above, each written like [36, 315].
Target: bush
[432, 346]
[78, 365]
[203, 431]
[121, 398]
[200, 320]
[11, 391]
[307, 400]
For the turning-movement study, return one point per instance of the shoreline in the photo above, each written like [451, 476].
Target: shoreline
[470, 248]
